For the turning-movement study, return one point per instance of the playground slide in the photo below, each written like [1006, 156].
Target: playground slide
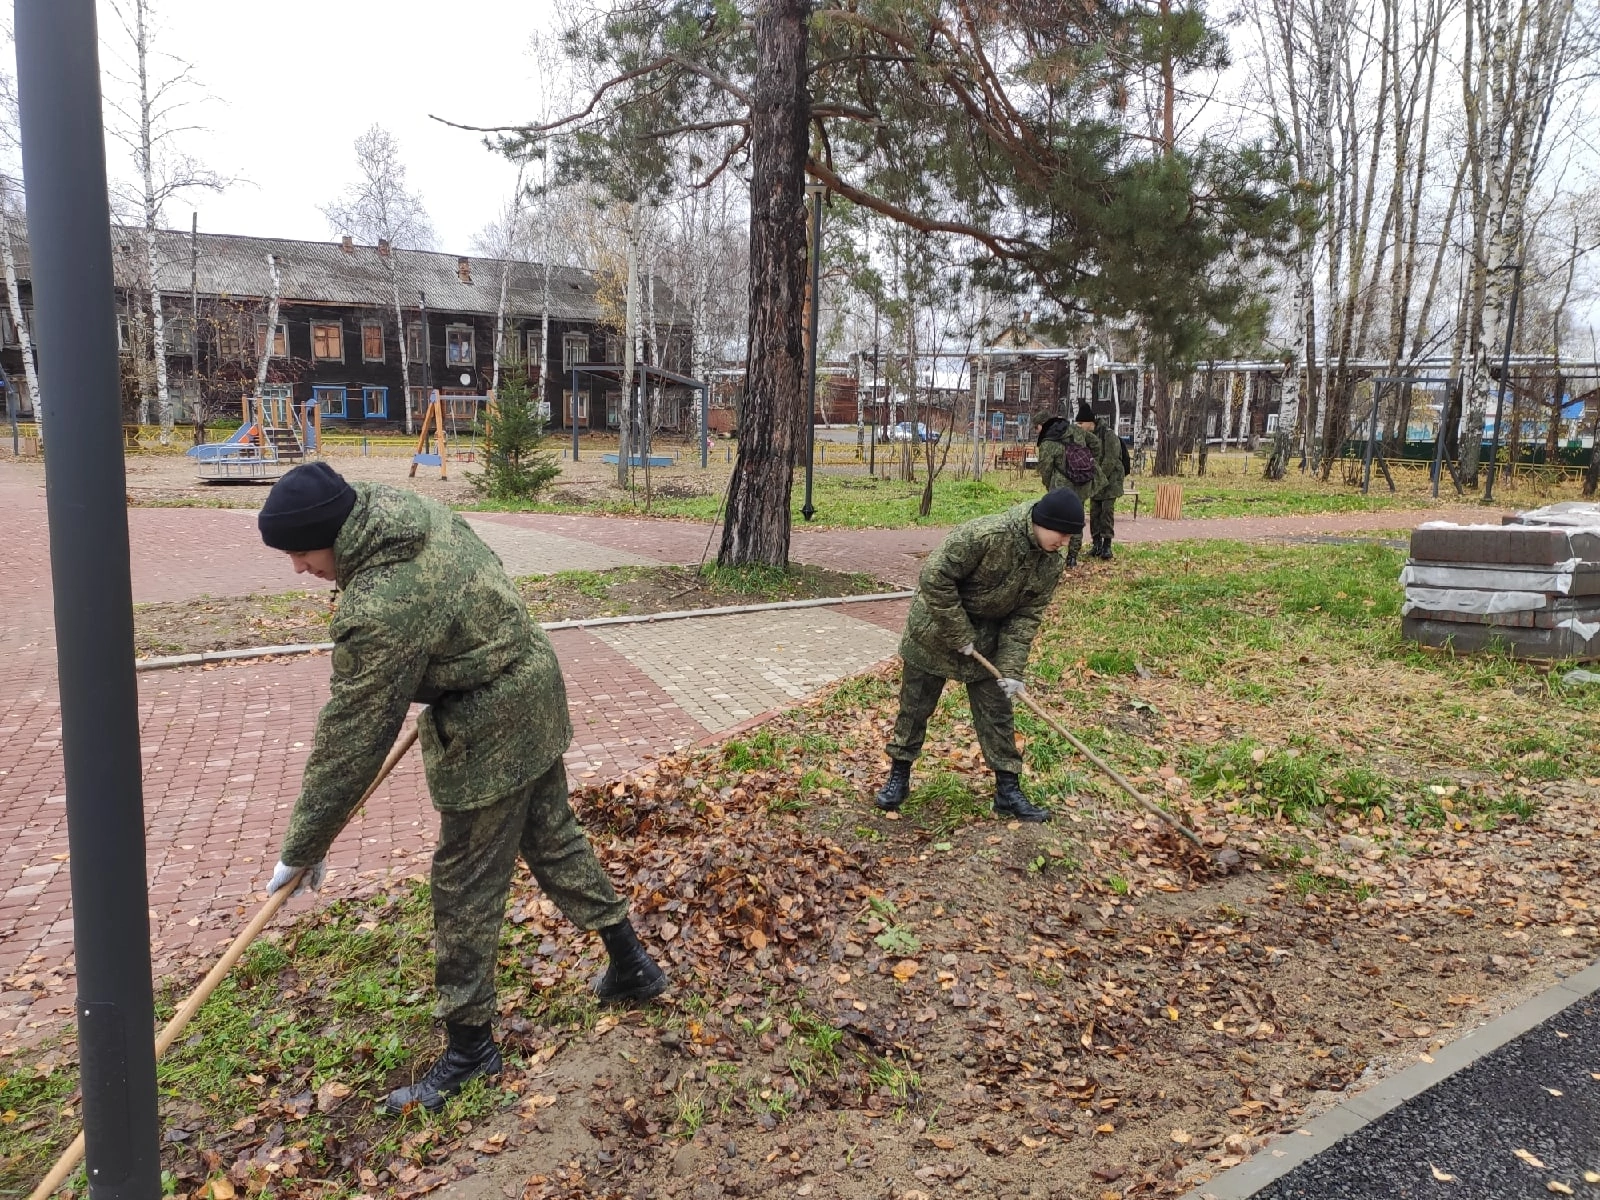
[220, 449]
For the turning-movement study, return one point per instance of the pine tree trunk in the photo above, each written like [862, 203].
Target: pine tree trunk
[757, 527]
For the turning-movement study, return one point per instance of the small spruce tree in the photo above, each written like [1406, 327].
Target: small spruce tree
[513, 466]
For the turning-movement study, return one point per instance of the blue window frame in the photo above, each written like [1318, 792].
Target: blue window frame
[330, 400]
[375, 402]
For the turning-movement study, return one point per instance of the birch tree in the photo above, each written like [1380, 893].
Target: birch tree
[10, 211]
[378, 209]
[151, 125]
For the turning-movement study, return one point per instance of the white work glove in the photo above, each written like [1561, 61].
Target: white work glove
[281, 874]
[1012, 688]
[969, 648]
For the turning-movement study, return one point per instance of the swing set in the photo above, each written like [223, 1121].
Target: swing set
[441, 423]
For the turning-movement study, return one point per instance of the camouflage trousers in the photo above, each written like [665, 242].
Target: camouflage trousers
[472, 868]
[1081, 491]
[1103, 519]
[991, 717]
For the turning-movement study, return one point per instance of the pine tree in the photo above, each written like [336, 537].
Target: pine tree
[514, 468]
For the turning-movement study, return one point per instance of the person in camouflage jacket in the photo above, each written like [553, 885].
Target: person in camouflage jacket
[427, 614]
[984, 589]
[1108, 482]
[1055, 435]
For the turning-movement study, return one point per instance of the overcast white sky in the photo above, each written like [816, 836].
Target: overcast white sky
[287, 87]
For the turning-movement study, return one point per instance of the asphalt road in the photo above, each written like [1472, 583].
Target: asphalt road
[1539, 1094]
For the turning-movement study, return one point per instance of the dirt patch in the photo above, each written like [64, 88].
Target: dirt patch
[239, 622]
[637, 591]
[230, 623]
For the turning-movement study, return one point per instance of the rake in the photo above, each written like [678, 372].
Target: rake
[186, 1012]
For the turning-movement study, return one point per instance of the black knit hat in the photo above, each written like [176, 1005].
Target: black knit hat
[306, 509]
[1085, 413]
[1060, 510]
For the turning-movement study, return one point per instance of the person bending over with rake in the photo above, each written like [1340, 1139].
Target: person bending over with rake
[427, 614]
[984, 589]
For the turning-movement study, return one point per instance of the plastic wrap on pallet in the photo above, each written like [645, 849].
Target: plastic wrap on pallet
[1584, 629]
[1568, 514]
[1556, 579]
[1471, 600]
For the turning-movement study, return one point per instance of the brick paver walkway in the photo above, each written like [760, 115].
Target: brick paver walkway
[224, 747]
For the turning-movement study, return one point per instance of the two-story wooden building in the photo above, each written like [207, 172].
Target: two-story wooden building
[339, 338]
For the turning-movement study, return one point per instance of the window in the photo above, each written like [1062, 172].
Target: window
[458, 350]
[371, 341]
[566, 407]
[330, 400]
[1272, 422]
[1025, 388]
[375, 402]
[229, 345]
[122, 334]
[536, 351]
[327, 341]
[1000, 386]
[280, 340]
[574, 350]
[414, 342]
[180, 335]
[460, 408]
[613, 348]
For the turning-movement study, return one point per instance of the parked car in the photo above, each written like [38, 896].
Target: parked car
[903, 433]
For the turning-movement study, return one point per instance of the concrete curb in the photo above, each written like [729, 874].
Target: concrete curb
[1288, 1151]
[221, 656]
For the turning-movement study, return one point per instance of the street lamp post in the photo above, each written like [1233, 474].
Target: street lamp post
[1505, 378]
[69, 235]
[815, 191]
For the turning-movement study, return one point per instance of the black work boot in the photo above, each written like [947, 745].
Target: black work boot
[470, 1053]
[1105, 550]
[632, 973]
[896, 788]
[1011, 801]
[1072, 556]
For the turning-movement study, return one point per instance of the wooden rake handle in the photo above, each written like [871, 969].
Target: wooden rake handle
[73, 1154]
[1153, 809]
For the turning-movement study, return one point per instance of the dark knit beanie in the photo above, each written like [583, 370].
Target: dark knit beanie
[306, 509]
[1060, 510]
[1085, 413]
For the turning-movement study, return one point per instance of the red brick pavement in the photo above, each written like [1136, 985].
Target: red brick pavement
[668, 541]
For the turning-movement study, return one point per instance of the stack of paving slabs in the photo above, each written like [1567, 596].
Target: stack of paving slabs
[1529, 587]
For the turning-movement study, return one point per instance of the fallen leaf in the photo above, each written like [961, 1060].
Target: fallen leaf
[940, 1143]
[1591, 1176]
[1182, 1138]
[906, 968]
[604, 1025]
[1107, 1128]
[756, 939]
[1558, 1188]
[330, 1095]
[221, 1189]
[1528, 1158]
[1441, 1176]
[1553, 1091]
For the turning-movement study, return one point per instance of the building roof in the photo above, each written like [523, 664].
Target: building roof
[230, 265]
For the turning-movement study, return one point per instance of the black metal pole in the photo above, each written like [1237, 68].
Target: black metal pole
[1372, 433]
[69, 234]
[809, 510]
[1505, 378]
[574, 412]
[705, 424]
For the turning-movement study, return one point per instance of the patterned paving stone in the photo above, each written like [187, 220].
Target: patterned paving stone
[536, 552]
[724, 670]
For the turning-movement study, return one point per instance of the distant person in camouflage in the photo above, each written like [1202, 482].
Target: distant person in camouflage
[427, 614]
[1113, 469]
[983, 589]
[1069, 457]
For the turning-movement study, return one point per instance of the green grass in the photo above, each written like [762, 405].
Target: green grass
[855, 500]
[942, 803]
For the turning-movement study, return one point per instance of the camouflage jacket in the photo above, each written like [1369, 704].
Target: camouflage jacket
[1052, 458]
[988, 583]
[426, 614]
[1109, 478]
